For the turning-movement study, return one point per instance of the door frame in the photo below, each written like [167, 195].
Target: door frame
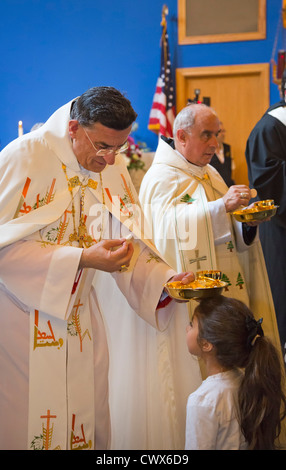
[183, 74]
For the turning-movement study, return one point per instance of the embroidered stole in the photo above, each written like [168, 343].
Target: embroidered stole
[61, 391]
[61, 402]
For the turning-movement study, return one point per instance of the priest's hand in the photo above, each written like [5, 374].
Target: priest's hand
[185, 278]
[237, 196]
[107, 255]
[255, 223]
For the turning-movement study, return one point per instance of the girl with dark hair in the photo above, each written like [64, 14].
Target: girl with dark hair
[241, 404]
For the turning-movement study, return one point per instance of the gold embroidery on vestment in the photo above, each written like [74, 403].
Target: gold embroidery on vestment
[75, 181]
[80, 235]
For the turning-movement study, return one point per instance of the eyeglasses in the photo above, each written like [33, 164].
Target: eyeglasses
[104, 152]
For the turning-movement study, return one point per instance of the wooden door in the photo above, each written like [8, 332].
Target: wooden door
[240, 96]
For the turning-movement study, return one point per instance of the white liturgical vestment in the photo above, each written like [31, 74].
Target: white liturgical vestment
[54, 358]
[191, 229]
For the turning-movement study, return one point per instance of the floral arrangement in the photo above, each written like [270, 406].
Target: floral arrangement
[133, 154]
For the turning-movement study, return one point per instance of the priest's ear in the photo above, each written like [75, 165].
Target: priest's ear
[73, 128]
[181, 136]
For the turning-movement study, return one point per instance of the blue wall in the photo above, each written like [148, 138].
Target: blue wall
[53, 50]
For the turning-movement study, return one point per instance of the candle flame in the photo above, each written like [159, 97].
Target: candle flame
[20, 128]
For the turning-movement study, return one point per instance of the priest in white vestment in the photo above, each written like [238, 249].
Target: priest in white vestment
[66, 207]
[189, 208]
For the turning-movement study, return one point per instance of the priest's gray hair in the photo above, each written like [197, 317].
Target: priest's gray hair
[185, 119]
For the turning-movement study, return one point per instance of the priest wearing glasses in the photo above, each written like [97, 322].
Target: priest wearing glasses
[80, 301]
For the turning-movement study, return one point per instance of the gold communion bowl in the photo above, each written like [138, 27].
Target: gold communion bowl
[206, 284]
[261, 210]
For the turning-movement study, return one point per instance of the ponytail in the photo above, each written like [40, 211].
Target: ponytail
[261, 399]
[239, 342]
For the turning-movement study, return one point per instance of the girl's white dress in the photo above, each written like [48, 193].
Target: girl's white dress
[212, 414]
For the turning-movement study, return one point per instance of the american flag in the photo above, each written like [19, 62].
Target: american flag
[162, 113]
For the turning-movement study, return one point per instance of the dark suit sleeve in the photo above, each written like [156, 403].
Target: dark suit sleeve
[266, 160]
[249, 233]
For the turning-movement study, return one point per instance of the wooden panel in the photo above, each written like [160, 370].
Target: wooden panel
[206, 21]
[240, 96]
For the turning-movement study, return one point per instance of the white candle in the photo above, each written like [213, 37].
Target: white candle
[20, 128]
